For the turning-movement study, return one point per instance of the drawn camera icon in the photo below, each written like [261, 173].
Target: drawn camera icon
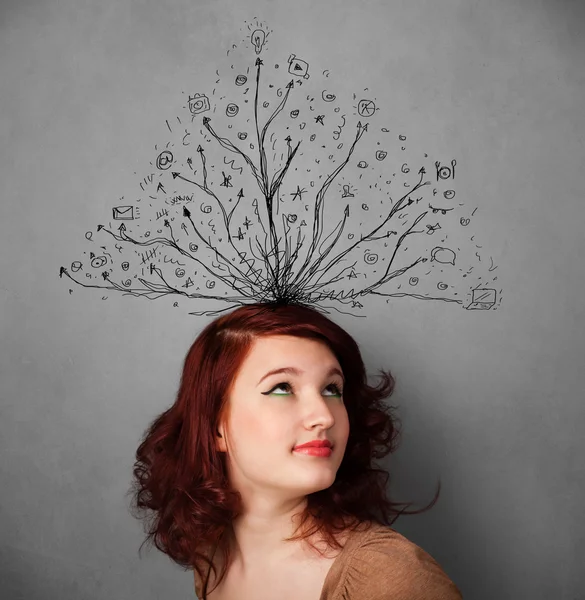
[198, 104]
[298, 67]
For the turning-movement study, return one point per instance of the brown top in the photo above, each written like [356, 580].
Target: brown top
[381, 564]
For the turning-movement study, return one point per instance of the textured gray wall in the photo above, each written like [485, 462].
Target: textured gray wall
[491, 401]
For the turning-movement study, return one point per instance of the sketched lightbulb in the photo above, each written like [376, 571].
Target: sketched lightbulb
[258, 38]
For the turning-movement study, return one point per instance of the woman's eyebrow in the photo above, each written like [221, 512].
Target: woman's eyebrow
[295, 371]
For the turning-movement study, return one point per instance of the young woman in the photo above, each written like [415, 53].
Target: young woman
[228, 491]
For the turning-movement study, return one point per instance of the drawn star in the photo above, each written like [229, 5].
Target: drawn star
[319, 119]
[299, 193]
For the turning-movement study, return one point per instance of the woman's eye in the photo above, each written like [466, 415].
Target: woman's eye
[280, 385]
[334, 387]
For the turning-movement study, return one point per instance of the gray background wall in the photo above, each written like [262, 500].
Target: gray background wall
[491, 401]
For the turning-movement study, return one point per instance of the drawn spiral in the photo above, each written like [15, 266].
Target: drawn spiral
[370, 258]
[413, 280]
[193, 247]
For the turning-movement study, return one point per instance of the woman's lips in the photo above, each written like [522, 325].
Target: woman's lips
[314, 451]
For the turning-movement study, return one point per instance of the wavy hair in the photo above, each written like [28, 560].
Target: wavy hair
[180, 486]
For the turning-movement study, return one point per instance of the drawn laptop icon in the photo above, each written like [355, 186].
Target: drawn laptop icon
[482, 299]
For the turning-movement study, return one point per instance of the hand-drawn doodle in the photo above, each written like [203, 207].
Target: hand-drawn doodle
[164, 160]
[123, 213]
[444, 172]
[258, 38]
[366, 108]
[346, 192]
[298, 67]
[443, 255]
[231, 110]
[198, 103]
[257, 246]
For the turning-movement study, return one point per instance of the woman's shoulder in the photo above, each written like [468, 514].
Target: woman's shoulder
[378, 563]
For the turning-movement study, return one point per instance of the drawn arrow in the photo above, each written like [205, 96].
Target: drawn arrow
[241, 193]
[160, 188]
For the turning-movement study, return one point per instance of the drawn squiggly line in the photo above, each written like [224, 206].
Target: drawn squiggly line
[340, 128]
[231, 164]
[173, 261]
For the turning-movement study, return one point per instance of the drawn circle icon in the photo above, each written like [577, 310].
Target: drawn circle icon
[75, 266]
[444, 173]
[232, 110]
[242, 135]
[164, 160]
[449, 194]
[366, 108]
[180, 272]
[125, 266]
[442, 286]
[193, 247]
[328, 97]
[413, 280]
[381, 154]
[370, 258]
[98, 262]
[241, 79]
[294, 113]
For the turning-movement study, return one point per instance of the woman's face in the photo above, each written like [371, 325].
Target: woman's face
[270, 413]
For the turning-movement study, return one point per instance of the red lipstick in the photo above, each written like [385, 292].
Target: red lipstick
[315, 448]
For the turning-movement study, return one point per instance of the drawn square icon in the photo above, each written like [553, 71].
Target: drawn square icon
[123, 213]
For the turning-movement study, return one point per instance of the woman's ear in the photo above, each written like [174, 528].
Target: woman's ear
[220, 440]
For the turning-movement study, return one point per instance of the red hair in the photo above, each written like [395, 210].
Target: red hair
[180, 485]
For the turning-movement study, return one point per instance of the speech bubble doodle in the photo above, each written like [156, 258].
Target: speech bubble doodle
[164, 160]
[445, 256]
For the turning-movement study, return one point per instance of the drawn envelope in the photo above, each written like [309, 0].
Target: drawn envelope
[123, 213]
